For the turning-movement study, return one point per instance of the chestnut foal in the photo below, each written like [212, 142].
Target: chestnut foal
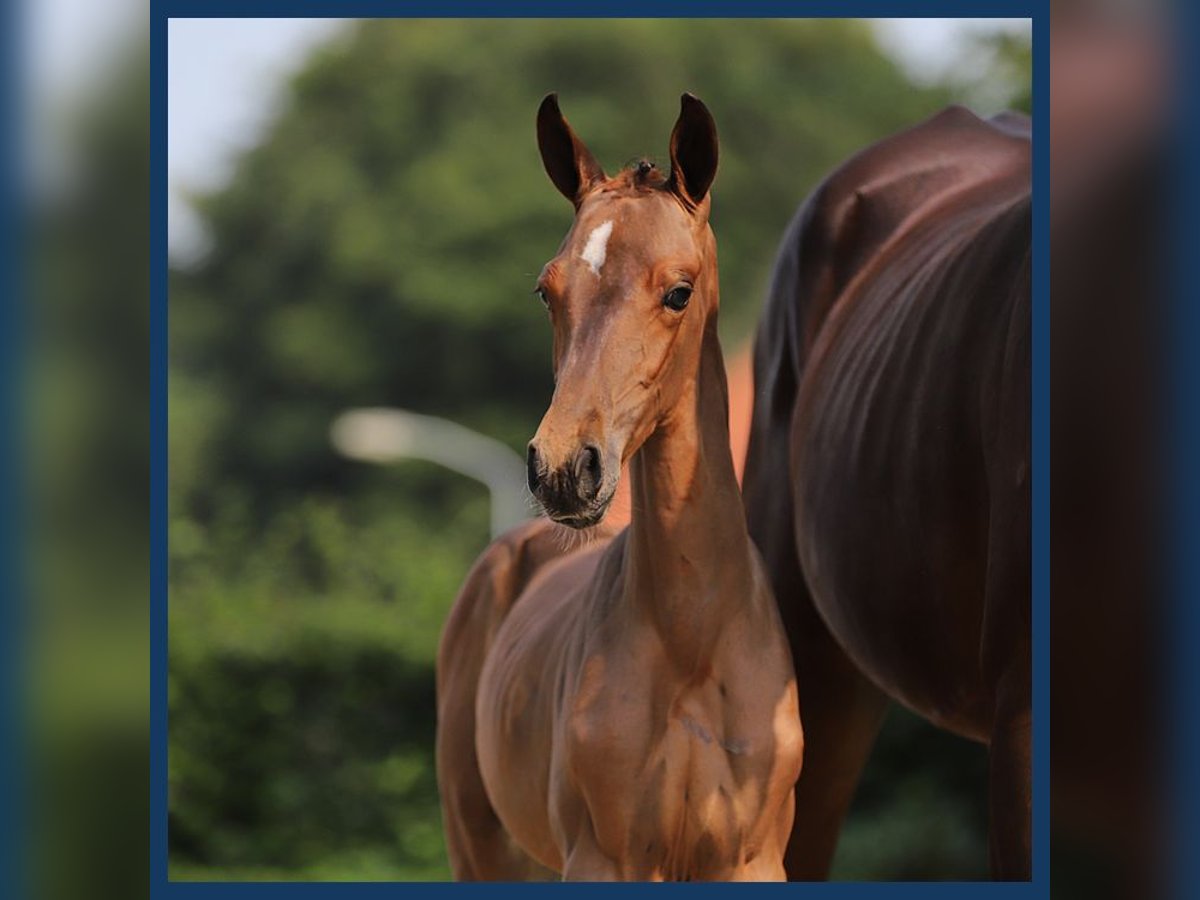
[625, 711]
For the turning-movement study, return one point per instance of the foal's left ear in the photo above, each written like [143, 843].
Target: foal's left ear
[693, 151]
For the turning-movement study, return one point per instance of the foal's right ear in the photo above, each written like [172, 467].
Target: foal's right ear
[568, 162]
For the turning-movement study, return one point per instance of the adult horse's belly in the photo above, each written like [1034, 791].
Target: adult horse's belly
[890, 496]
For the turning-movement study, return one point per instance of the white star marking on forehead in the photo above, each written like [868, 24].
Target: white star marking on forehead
[596, 248]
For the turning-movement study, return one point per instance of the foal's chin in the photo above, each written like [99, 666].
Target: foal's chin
[580, 519]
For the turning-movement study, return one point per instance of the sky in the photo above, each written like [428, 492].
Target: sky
[225, 76]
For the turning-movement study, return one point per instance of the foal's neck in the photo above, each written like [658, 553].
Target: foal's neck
[689, 557]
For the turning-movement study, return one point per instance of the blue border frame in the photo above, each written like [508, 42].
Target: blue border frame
[162, 10]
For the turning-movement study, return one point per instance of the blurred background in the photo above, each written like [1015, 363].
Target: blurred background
[357, 214]
[309, 589]
[83, 640]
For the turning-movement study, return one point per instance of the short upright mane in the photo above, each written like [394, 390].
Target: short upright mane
[639, 174]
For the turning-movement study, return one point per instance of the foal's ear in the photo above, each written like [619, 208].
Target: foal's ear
[568, 162]
[693, 151]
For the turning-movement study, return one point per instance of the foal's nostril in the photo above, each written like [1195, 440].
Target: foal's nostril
[588, 472]
[532, 469]
[591, 456]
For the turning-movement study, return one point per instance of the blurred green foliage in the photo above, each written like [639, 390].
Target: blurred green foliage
[378, 247]
[85, 552]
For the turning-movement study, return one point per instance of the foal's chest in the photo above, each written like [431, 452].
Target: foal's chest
[673, 783]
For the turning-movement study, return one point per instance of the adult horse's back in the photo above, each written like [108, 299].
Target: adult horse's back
[887, 478]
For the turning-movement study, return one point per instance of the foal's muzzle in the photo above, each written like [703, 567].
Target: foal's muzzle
[572, 493]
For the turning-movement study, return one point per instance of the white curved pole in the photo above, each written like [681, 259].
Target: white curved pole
[383, 435]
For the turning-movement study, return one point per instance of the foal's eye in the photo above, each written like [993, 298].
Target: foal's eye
[677, 298]
[541, 295]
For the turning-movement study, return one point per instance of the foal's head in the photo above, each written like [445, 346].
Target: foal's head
[630, 293]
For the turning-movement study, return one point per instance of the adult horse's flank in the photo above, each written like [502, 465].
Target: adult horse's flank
[625, 711]
[887, 478]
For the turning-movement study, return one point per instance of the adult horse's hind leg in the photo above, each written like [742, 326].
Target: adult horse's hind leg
[477, 843]
[1006, 662]
[1010, 782]
[841, 712]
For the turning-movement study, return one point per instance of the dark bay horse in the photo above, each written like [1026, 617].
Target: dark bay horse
[1112, 186]
[887, 480]
[626, 711]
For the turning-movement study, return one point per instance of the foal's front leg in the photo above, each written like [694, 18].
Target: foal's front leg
[587, 862]
[764, 867]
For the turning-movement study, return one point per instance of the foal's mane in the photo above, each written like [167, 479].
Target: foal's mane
[638, 174]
